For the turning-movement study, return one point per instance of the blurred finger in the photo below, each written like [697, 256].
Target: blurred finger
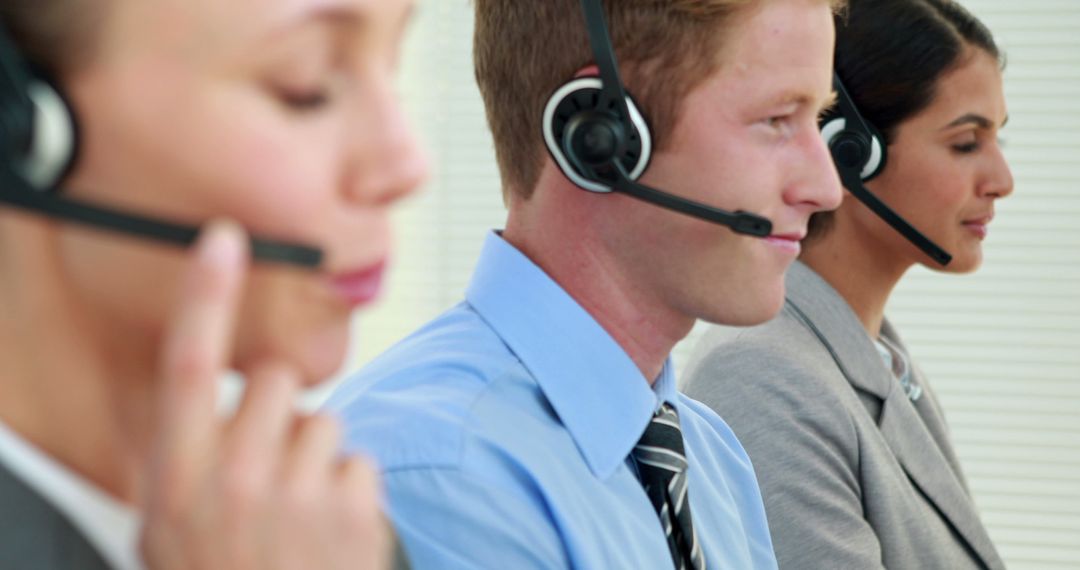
[359, 513]
[359, 491]
[313, 458]
[258, 431]
[197, 344]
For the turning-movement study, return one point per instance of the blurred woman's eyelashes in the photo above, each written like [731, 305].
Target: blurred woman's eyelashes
[304, 100]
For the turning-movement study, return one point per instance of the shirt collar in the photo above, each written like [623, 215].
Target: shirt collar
[598, 392]
[110, 526]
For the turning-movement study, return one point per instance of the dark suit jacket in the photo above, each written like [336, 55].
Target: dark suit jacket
[854, 474]
[35, 536]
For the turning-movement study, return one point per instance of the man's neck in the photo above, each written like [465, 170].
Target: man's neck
[565, 248]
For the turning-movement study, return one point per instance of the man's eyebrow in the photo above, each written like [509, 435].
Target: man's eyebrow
[798, 98]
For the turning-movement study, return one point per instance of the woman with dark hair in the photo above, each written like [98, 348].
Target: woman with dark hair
[846, 435]
[276, 115]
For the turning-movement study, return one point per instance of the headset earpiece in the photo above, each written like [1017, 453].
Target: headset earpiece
[859, 154]
[38, 146]
[583, 138]
[54, 142]
[40, 135]
[602, 143]
[853, 150]
[856, 145]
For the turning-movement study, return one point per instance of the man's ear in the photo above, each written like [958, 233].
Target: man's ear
[590, 70]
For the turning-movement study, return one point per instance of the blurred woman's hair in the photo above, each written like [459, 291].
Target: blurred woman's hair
[56, 35]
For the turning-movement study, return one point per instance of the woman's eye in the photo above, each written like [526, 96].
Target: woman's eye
[304, 100]
[966, 148]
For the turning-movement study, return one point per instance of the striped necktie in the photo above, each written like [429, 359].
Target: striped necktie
[661, 463]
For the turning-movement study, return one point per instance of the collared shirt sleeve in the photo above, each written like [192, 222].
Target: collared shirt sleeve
[449, 519]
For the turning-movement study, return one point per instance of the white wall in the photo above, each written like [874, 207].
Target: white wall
[1002, 346]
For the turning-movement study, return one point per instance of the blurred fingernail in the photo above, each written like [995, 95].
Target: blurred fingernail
[221, 244]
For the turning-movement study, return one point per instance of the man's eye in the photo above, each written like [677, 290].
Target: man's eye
[778, 121]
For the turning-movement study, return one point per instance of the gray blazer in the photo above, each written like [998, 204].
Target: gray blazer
[853, 473]
[35, 536]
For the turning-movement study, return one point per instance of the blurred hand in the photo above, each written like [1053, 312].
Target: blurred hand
[265, 489]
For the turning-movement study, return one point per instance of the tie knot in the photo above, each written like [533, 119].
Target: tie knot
[661, 446]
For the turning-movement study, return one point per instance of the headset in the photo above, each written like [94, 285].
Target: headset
[39, 142]
[859, 154]
[601, 141]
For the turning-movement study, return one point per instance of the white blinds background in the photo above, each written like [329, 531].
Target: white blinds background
[1002, 347]
[441, 231]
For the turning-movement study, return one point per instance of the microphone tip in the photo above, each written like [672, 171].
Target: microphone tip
[752, 225]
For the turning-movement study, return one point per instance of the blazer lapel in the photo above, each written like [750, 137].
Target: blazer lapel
[822, 309]
[33, 534]
[931, 472]
[831, 319]
[927, 406]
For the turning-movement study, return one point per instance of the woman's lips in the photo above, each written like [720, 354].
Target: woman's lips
[788, 243]
[979, 226]
[359, 287]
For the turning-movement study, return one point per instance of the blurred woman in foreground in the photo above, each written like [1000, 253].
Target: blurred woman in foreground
[276, 116]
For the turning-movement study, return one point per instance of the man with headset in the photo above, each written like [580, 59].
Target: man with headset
[536, 424]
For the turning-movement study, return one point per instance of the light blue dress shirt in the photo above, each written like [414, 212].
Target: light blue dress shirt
[503, 429]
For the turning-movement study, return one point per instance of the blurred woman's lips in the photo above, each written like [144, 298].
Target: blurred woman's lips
[360, 286]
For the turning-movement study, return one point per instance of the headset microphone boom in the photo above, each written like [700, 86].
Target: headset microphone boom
[601, 141]
[39, 139]
[860, 154]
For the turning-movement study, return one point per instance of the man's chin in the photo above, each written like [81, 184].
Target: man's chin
[749, 313]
